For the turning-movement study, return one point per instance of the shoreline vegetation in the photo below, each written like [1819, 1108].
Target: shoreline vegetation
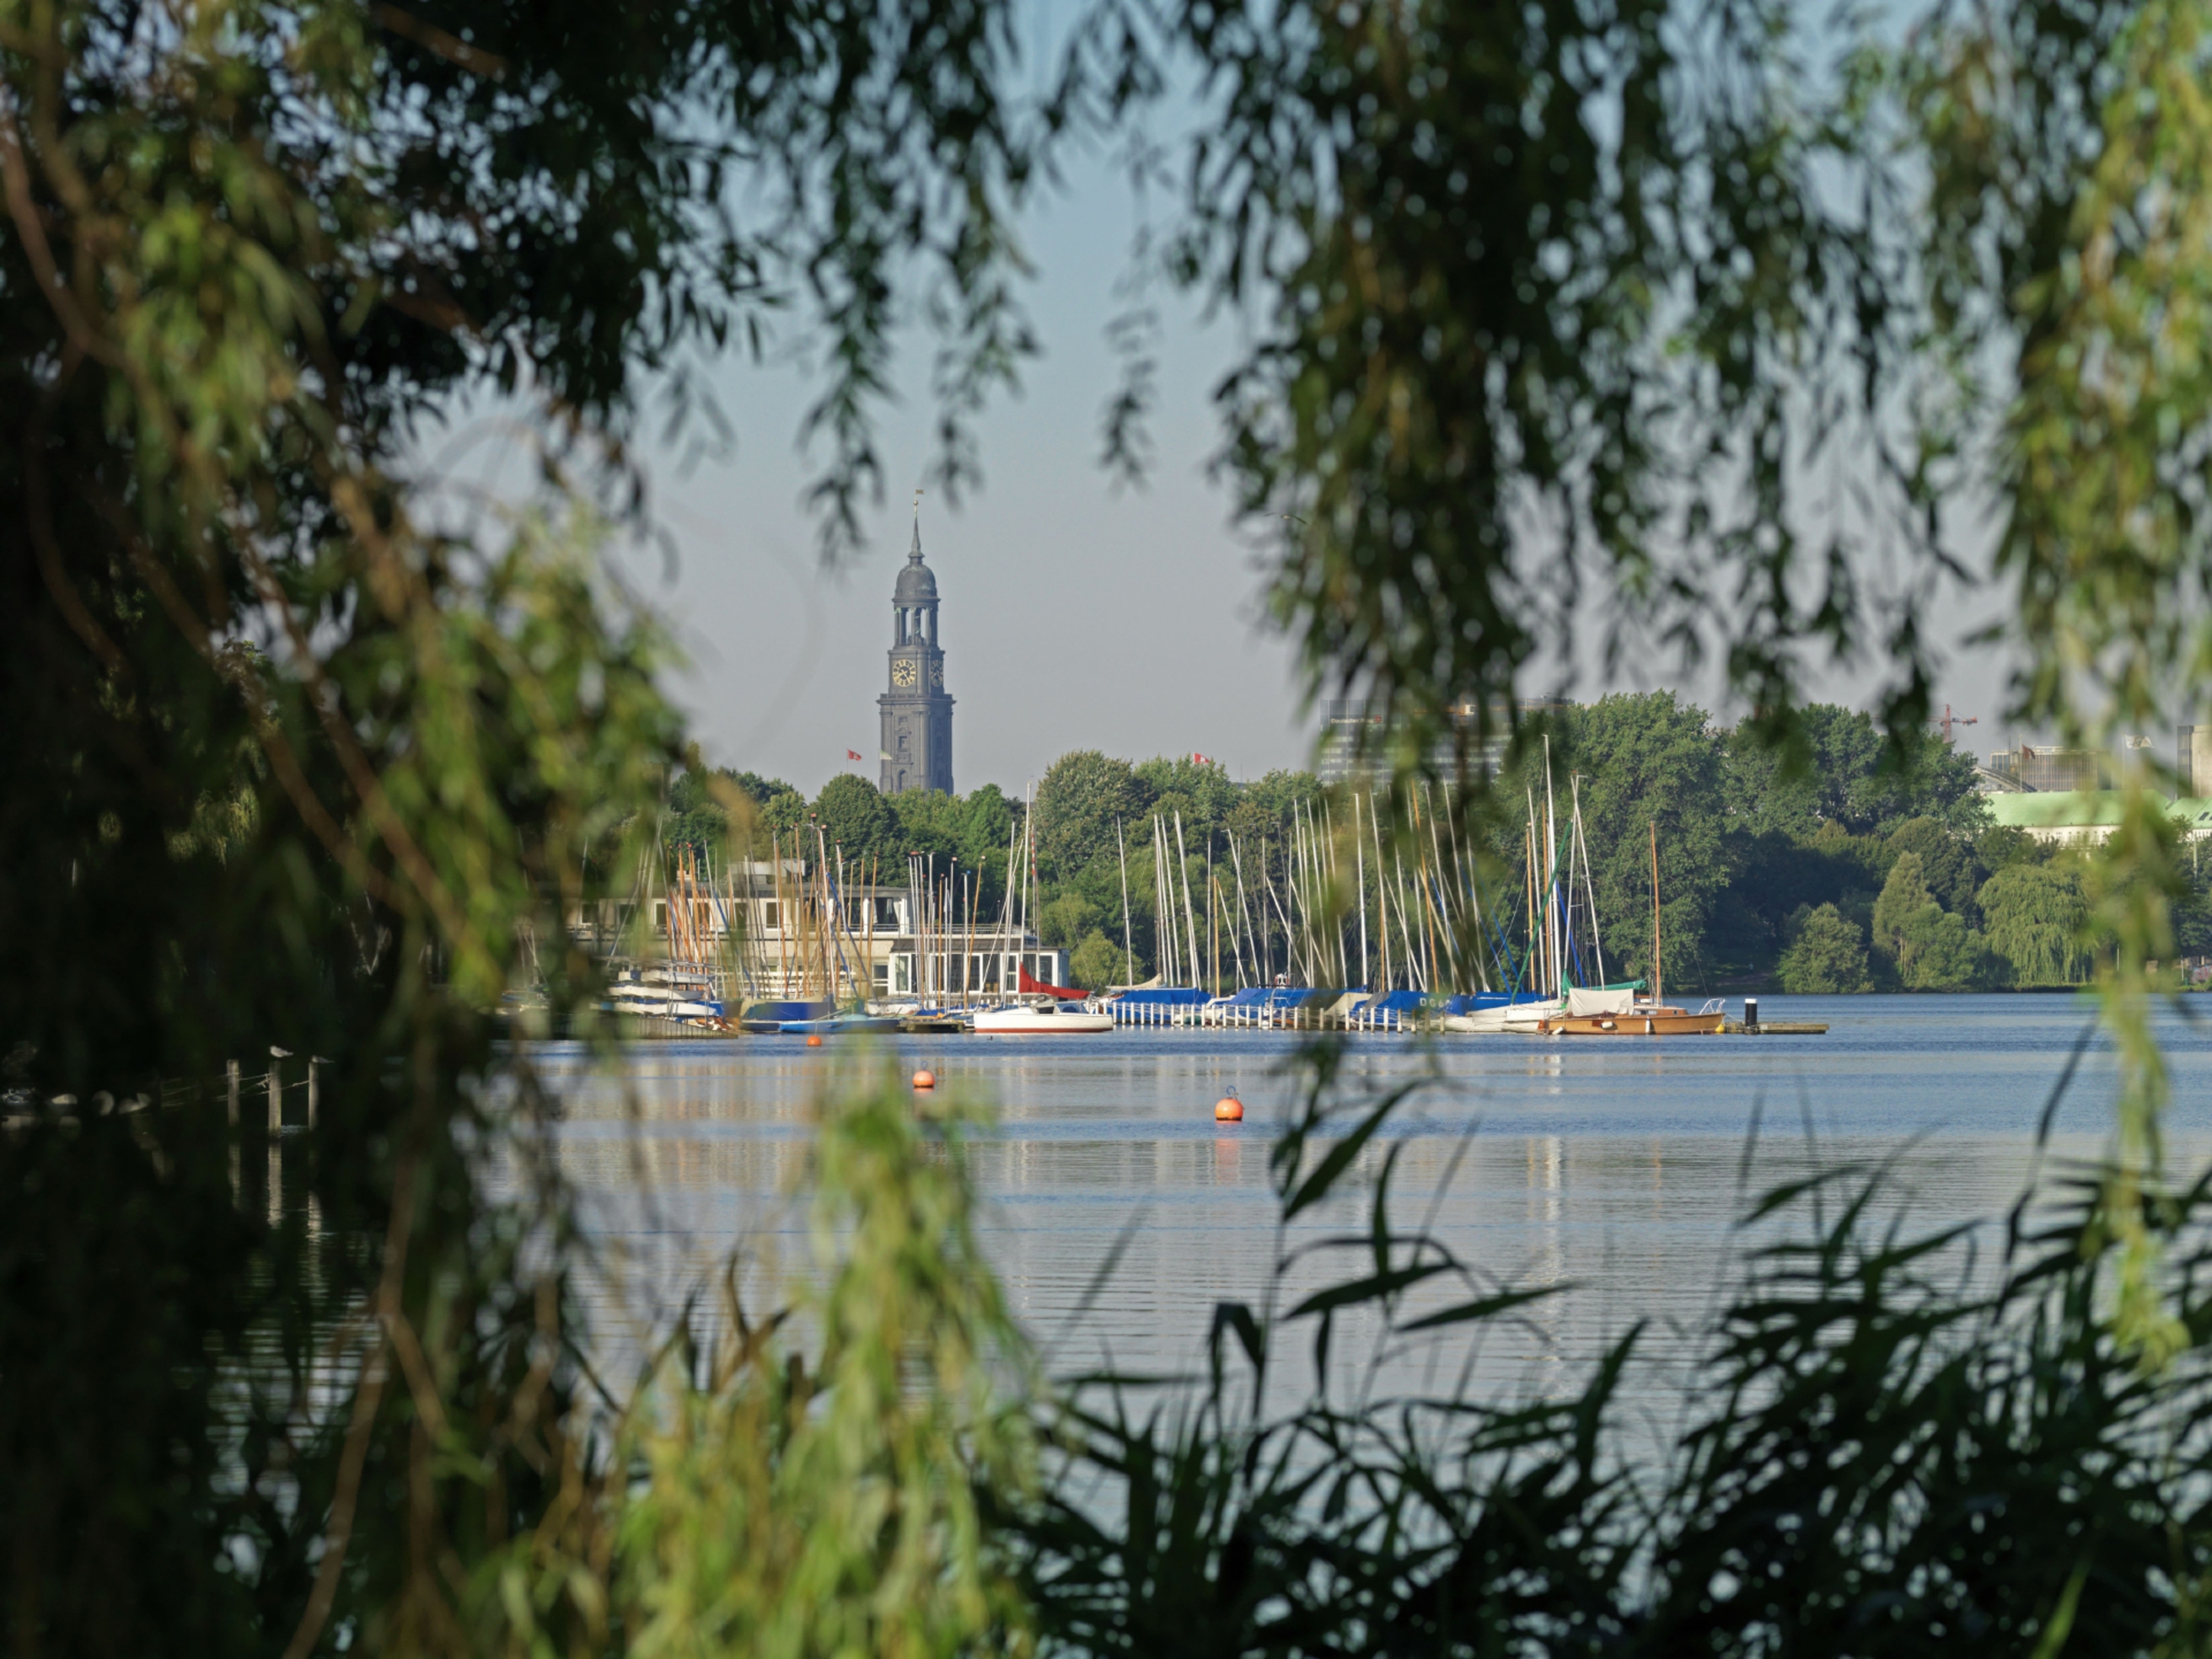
[1682, 332]
[1860, 871]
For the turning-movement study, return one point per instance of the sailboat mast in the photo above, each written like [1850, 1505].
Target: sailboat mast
[1190, 917]
[1439, 896]
[1213, 927]
[1302, 889]
[1421, 909]
[1551, 874]
[1244, 910]
[1658, 981]
[1128, 949]
[1535, 962]
[1590, 884]
[1165, 958]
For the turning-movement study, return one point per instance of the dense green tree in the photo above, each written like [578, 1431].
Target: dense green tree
[968, 833]
[782, 817]
[697, 813]
[1937, 951]
[1947, 862]
[1826, 954]
[1201, 790]
[1066, 921]
[1999, 847]
[1848, 772]
[759, 789]
[1776, 874]
[987, 824]
[1078, 801]
[1643, 760]
[1276, 794]
[2035, 917]
[855, 819]
[1903, 896]
[1099, 962]
[930, 822]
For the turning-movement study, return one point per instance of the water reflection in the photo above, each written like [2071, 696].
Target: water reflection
[1618, 1168]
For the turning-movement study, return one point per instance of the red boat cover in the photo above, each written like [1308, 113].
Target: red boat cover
[1030, 986]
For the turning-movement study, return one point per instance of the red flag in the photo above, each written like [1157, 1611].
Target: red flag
[1198, 759]
[853, 754]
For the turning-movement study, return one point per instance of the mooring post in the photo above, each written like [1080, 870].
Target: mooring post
[276, 1134]
[314, 1206]
[230, 1069]
[277, 1090]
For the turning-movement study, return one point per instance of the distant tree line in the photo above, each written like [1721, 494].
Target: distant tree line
[1865, 868]
[1862, 869]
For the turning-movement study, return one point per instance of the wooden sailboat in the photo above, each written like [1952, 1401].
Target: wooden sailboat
[1617, 1013]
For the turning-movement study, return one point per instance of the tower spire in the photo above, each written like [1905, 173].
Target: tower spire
[917, 715]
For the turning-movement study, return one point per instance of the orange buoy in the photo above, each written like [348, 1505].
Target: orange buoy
[1229, 1108]
[814, 1039]
[925, 1079]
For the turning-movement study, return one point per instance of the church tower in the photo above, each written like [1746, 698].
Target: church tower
[917, 714]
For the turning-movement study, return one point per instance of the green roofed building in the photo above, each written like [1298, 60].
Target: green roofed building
[2084, 817]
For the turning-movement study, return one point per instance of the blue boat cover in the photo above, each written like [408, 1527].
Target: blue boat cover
[781, 1010]
[1165, 996]
[1401, 1002]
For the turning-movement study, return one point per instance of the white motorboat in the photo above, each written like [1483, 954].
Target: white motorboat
[1525, 1017]
[1039, 1019]
[679, 993]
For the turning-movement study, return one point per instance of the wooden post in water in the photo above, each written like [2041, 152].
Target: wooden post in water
[276, 1134]
[230, 1070]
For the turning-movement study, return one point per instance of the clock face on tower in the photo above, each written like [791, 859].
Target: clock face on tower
[902, 673]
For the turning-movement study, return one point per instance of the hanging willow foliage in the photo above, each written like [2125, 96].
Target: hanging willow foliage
[1547, 300]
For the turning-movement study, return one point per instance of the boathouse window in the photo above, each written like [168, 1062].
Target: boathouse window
[660, 916]
[769, 913]
[887, 913]
[882, 976]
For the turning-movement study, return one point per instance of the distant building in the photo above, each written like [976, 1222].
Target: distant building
[1346, 721]
[2045, 769]
[762, 924]
[2086, 818]
[2192, 759]
[917, 715]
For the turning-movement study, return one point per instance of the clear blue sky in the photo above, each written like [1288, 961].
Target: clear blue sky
[1075, 614]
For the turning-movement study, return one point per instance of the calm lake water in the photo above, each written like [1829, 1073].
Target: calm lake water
[1619, 1167]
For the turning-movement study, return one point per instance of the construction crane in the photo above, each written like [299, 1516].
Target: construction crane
[1951, 719]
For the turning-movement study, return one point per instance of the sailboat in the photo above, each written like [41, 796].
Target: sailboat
[684, 989]
[1553, 954]
[1045, 1018]
[1618, 1013]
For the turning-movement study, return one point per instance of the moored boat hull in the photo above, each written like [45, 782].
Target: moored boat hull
[1660, 1021]
[1039, 1021]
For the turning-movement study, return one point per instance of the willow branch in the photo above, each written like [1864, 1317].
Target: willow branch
[359, 769]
